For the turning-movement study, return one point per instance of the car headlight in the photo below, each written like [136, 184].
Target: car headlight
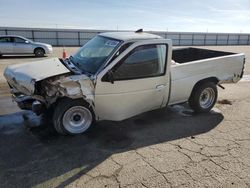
[49, 47]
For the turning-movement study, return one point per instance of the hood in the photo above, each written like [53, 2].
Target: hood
[41, 44]
[24, 76]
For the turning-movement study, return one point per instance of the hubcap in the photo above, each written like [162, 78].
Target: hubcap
[77, 119]
[207, 98]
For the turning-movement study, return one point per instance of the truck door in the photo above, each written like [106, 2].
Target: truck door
[6, 45]
[141, 81]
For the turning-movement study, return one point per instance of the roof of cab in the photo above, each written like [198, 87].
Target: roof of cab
[125, 36]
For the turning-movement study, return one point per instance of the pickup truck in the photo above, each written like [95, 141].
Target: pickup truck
[117, 75]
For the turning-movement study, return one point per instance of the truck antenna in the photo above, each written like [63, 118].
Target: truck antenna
[139, 31]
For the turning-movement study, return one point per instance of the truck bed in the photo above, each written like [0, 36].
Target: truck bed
[184, 55]
[194, 64]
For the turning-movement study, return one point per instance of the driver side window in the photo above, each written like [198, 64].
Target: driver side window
[142, 62]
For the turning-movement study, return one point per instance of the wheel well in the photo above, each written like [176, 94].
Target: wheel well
[91, 107]
[39, 48]
[210, 79]
[70, 99]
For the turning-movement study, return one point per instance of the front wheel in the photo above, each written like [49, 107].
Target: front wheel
[72, 117]
[39, 52]
[203, 97]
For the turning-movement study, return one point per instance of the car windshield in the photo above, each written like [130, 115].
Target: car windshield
[94, 53]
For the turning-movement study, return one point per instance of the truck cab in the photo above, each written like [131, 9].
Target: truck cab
[140, 73]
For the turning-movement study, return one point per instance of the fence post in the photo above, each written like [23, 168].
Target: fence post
[179, 39]
[79, 39]
[165, 35]
[239, 39]
[227, 39]
[6, 32]
[205, 38]
[248, 39]
[216, 39]
[57, 40]
[33, 36]
[192, 39]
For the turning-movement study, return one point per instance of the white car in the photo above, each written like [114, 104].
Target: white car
[118, 75]
[11, 44]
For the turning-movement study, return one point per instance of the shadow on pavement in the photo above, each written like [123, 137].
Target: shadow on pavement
[32, 154]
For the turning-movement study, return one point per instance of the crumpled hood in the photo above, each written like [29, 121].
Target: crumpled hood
[24, 76]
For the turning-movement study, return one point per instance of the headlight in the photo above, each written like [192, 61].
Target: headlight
[49, 47]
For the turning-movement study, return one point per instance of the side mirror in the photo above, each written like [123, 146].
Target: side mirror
[110, 76]
[27, 42]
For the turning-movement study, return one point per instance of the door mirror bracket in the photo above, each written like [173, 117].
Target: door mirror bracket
[110, 76]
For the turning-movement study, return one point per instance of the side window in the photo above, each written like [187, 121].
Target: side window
[143, 61]
[5, 39]
[19, 40]
[122, 49]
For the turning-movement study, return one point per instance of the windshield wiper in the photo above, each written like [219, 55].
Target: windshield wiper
[86, 72]
[71, 60]
[71, 65]
[78, 66]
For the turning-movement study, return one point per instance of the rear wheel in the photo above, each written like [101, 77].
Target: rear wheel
[203, 97]
[72, 117]
[39, 52]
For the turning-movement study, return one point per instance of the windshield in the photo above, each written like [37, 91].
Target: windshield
[94, 53]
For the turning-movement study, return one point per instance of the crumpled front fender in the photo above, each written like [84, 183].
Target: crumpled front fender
[74, 86]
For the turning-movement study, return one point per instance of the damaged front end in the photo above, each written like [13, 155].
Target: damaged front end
[71, 86]
[37, 86]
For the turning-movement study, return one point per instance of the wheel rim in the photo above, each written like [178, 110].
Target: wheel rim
[77, 119]
[39, 52]
[207, 98]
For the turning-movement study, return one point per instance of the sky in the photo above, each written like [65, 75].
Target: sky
[228, 16]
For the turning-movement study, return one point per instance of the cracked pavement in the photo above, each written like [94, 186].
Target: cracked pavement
[164, 148]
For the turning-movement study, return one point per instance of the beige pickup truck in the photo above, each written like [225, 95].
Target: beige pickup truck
[118, 75]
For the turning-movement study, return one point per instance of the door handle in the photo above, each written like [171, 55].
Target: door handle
[160, 87]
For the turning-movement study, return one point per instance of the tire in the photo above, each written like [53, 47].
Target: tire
[72, 117]
[39, 52]
[203, 97]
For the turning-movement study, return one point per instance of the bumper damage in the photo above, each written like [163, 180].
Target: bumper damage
[29, 103]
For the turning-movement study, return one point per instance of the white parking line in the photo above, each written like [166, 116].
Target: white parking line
[246, 78]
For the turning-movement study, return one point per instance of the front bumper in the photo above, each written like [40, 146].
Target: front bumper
[28, 103]
[49, 50]
[23, 102]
